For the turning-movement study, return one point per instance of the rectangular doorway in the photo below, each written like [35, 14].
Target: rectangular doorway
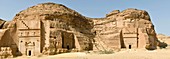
[29, 53]
[130, 46]
[68, 41]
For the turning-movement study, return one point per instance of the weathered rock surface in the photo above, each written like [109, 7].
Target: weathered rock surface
[61, 19]
[131, 28]
[2, 23]
[164, 39]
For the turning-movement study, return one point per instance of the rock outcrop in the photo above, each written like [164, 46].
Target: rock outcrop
[131, 28]
[164, 39]
[2, 22]
[61, 19]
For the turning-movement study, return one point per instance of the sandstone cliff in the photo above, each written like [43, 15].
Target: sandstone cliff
[119, 29]
[123, 26]
[60, 18]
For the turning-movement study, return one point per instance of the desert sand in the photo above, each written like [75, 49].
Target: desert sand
[123, 54]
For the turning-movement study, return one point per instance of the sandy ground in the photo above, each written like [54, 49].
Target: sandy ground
[124, 54]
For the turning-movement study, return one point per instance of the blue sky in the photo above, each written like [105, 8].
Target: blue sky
[159, 10]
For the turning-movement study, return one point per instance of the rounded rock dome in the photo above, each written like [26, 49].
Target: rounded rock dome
[46, 11]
